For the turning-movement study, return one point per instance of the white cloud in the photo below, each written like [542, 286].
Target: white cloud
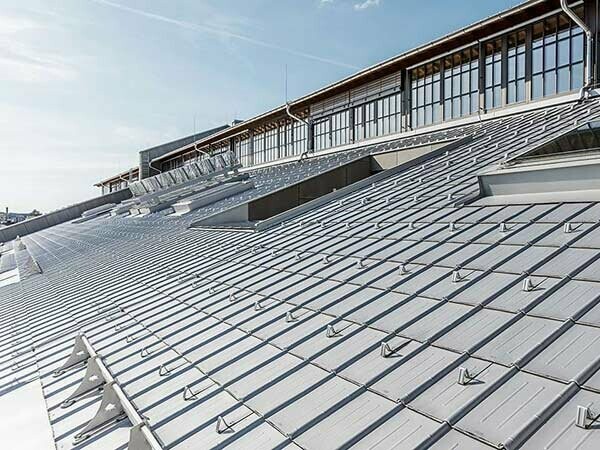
[223, 32]
[366, 4]
[23, 61]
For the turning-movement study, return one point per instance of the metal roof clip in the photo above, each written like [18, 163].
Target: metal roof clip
[402, 270]
[289, 317]
[330, 331]
[456, 276]
[528, 285]
[584, 417]
[452, 227]
[325, 259]
[464, 377]
[503, 228]
[385, 350]
[411, 225]
[359, 264]
[297, 256]
[347, 225]
[568, 227]
[257, 305]
[232, 297]
[222, 426]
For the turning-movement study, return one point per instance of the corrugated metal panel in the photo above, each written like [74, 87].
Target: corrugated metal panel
[498, 416]
[560, 431]
[514, 342]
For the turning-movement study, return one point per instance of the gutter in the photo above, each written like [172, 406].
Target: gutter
[585, 90]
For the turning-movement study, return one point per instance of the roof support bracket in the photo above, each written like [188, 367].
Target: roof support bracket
[79, 354]
[111, 410]
[93, 380]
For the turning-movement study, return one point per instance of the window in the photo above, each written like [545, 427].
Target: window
[242, 150]
[299, 138]
[389, 115]
[322, 131]
[365, 124]
[516, 67]
[339, 128]
[557, 56]
[461, 83]
[425, 95]
[493, 74]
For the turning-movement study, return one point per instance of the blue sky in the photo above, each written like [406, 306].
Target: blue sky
[85, 84]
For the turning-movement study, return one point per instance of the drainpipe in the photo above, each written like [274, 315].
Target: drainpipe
[199, 150]
[308, 130]
[155, 168]
[584, 92]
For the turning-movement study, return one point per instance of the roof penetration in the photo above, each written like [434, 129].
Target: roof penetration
[395, 315]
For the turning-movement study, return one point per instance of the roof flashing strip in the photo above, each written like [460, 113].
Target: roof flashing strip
[114, 405]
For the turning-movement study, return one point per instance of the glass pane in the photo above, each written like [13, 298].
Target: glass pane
[474, 80]
[497, 73]
[497, 96]
[511, 92]
[563, 80]
[521, 90]
[521, 66]
[549, 83]
[536, 86]
[465, 82]
[577, 48]
[447, 110]
[436, 91]
[437, 112]
[563, 52]
[456, 107]
[456, 86]
[537, 60]
[474, 102]
[489, 77]
[489, 99]
[550, 56]
[512, 68]
[577, 76]
[465, 107]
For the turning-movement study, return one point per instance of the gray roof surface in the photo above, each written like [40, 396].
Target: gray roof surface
[280, 332]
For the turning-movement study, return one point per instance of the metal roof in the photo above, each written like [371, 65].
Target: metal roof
[369, 321]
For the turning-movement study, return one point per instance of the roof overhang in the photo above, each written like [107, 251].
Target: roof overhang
[117, 177]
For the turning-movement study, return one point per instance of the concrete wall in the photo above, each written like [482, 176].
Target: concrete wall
[309, 190]
[60, 216]
[388, 160]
